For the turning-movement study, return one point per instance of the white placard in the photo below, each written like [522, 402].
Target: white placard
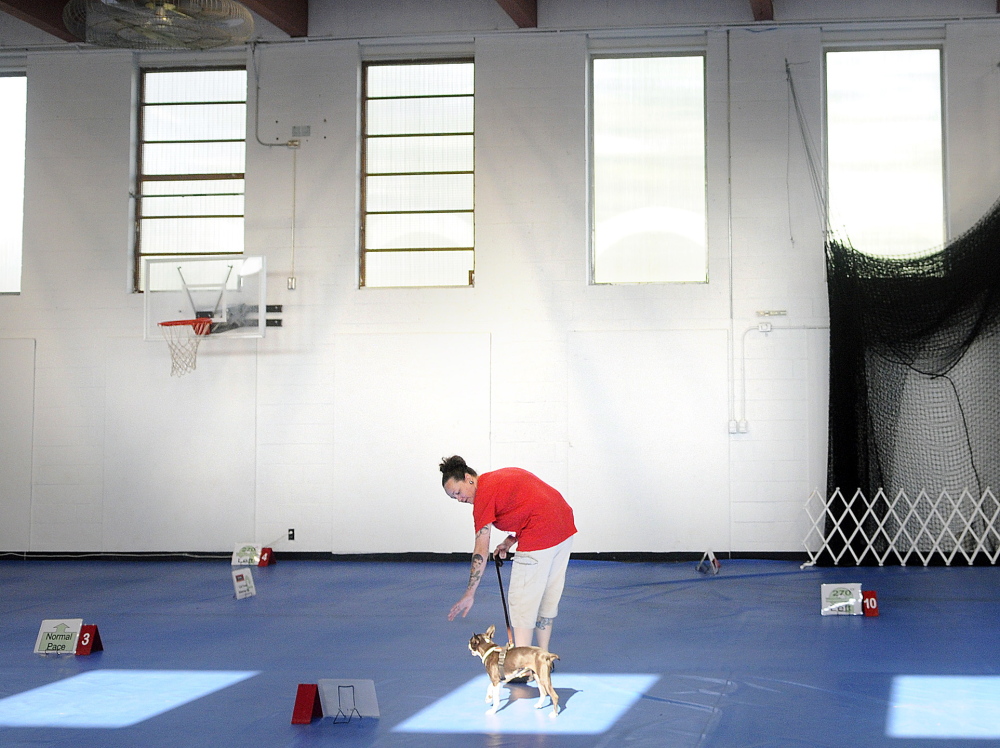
[58, 636]
[246, 554]
[841, 599]
[341, 698]
[243, 583]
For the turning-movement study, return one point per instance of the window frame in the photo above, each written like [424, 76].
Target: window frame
[363, 172]
[620, 54]
[140, 178]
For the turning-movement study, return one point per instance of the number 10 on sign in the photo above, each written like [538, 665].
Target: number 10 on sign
[869, 601]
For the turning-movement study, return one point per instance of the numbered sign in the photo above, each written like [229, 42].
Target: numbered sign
[58, 636]
[243, 583]
[89, 640]
[841, 599]
[266, 557]
[307, 704]
[870, 602]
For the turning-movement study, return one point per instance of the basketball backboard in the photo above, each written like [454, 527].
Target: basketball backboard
[228, 289]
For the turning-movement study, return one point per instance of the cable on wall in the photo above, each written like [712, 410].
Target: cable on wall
[293, 144]
[812, 159]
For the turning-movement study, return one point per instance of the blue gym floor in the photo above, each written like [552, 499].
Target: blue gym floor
[652, 654]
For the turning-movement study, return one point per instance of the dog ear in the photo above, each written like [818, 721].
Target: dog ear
[490, 630]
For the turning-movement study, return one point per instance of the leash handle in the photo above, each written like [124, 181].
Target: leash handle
[498, 562]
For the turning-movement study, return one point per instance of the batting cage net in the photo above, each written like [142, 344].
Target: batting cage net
[914, 399]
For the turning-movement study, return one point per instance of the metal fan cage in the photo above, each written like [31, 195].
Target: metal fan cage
[159, 24]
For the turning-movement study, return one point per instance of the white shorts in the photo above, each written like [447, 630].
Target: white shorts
[536, 584]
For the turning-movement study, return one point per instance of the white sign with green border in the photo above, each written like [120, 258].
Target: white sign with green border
[58, 636]
[246, 554]
[841, 599]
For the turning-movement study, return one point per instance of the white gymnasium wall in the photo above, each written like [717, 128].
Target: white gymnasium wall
[621, 396]
[392, 422]
[17, 400]
[648, 443]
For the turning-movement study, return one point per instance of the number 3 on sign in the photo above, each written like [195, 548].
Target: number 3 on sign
[870, 602]
[89, 641]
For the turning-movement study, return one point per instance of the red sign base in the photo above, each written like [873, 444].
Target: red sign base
[89, 640]
[266, 557]
[307, 704]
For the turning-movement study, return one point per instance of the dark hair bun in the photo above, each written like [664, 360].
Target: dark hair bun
[453, 464]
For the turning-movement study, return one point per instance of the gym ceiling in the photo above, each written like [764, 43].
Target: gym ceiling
[290, 16]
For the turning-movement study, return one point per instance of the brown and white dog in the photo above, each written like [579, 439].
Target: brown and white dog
[505, 663]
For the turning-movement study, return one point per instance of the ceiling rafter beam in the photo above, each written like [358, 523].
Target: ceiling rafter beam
[291, 16]
[763, 10]
[42, 14]
[525, 12]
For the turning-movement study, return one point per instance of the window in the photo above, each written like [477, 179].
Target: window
[417, 189]
[13, 104]
[884, 150]
[648, 182]
[192, 147]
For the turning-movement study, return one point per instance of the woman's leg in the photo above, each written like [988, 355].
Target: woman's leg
[548, 606]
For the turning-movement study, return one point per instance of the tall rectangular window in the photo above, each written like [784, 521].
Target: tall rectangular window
[418, 221]
[648, 183]
[192, 155]
[884, 150]
[13, 105]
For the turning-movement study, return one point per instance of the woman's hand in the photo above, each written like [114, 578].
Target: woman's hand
[463, 606]
[504, 547]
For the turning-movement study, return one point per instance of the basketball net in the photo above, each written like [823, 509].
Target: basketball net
[183, 337]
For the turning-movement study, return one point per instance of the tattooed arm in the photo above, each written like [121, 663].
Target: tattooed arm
[479, 553]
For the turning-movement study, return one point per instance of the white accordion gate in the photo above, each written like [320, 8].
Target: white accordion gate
[898, 529]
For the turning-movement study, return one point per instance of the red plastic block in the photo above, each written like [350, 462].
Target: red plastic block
[869, 601]
[89, 640]
[307, 705]
[266, 557]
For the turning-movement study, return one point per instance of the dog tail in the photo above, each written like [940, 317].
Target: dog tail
[551, 656]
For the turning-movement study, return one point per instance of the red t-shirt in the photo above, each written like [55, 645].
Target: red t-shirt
[515, 501]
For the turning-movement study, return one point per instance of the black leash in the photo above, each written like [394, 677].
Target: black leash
[506, 614]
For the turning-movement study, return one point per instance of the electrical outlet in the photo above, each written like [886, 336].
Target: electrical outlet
[291, 533]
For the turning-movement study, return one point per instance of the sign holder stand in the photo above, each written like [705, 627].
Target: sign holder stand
[341, 691]
[709, 564]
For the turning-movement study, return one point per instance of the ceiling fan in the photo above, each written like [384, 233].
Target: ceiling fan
[159, 24]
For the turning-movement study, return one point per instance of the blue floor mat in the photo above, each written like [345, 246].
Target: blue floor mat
[736, 660]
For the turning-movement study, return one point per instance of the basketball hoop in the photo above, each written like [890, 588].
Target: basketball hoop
[183, 337]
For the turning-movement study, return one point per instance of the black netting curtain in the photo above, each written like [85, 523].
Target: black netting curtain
[915, 369]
